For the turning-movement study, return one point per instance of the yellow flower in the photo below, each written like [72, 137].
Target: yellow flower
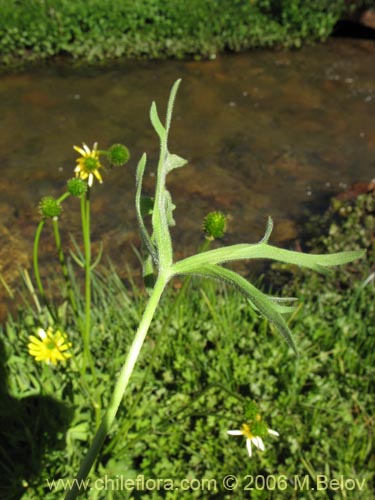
[50, 347]
[88, 163]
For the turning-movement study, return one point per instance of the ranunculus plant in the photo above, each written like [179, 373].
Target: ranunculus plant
[160, 265]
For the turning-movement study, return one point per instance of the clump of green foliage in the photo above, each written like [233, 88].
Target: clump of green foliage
[96, 30]
[345, 224]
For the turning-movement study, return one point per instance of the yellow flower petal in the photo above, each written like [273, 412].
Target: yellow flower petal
[79, 150]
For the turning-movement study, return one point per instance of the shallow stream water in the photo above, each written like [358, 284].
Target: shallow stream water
[265, 133]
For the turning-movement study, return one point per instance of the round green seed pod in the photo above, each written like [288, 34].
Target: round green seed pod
[118, 155]
[259, 428]
[251, 410]
[77, 186]
[214, 225]
[49, 208]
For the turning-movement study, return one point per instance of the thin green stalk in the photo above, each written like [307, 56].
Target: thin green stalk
[36, 260]
[203, 248]
[128, 422]
[64, 268]
[85, 216]
[36, 269]
[6, 286]
[36, 255]
[121, 385]
[86, 324]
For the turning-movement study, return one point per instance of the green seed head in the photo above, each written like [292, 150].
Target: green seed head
[259, 428]
[118, 155]
[49, 208]
[214, 225]
[251, 411]
[77, 187]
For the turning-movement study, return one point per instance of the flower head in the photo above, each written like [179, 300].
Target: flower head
[50, 347]
[253, 434]
[214, 225]
[88, 163]
[118, 155]
[49, 208]
[76, 186]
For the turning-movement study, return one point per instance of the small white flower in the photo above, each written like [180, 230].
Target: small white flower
[251, 438]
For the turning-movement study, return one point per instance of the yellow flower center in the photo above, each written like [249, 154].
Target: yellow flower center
[245, 428]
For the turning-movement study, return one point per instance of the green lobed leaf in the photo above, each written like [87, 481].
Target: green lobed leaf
[148, 274]
[169, 207]
[268, 232]
[261, 301]
[162, 214]
[174, 161]
[155, 120]
[146, 239]
[243, 251]
[172, 98]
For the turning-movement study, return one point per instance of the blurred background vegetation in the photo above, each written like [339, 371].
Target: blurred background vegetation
[95, 30]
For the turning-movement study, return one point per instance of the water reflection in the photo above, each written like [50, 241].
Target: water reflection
[266, 133]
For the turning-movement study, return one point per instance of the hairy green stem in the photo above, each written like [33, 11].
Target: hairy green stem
[85, 216]
[38, 234]
[121, 385]
[63, 265]
[36, 260]
[128, 422]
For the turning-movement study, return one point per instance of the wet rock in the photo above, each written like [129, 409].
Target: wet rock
[220, 188]
[38, 99]
[368, 18]
[357, 189]
[15, 81]
[371, 141]
[297, 94]
[353, 29]
[290, 167]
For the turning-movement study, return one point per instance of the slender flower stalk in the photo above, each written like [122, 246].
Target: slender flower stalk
[64, 269]
[121, 385]
[38, 279]
[85, 218]
[50, 209]
[182, 291]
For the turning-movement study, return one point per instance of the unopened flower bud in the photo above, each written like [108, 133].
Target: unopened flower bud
[77, 186]
[49, 208]
[118, 155]
[259, 428]
[251, 411]
[214, 225]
